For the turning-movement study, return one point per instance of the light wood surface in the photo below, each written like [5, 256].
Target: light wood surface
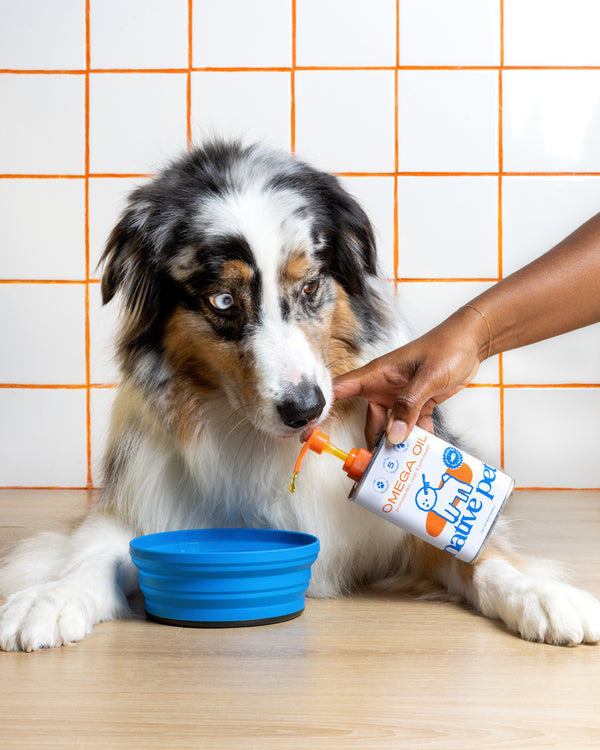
[371, 671]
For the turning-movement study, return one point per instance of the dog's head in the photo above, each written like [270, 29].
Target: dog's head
[246, 272]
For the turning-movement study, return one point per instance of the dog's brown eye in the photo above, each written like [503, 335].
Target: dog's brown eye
[310, 287]
[222, 301]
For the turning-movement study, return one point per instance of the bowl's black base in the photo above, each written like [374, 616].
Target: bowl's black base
[226, 623]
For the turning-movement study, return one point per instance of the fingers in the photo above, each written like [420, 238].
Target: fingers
[377, 417]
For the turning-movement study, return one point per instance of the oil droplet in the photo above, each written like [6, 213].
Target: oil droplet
[293, 482]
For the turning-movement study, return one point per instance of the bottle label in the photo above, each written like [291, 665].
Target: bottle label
[435, 491]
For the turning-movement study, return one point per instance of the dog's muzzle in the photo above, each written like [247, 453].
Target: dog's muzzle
[302, 405]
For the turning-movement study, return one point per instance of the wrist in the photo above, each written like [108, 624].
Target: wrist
[485, 344]
[473, 330]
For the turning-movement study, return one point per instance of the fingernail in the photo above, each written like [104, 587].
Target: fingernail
[396, 431]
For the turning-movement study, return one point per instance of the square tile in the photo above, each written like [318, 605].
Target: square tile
[560, 32]
[43, 229]
[42, 329]
[253, 106]
[473, 415]
[36, 35]
[57, 102]
[571, 358]
[345, 120]
[104, 321]
[538, 212]
[108, 198]
[139, 34]
[376, 196]
[426, 304]
[449, 32]
[233, 34]
[43, 438]
[137, 121]
[447, 121]
[550, 440]
[101, 402]
[358, 34]
[550, 120]
[448, 227]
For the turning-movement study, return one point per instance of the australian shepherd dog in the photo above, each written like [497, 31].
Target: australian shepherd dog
[248, 280]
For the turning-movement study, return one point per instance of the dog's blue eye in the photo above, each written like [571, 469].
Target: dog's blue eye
[221, 301]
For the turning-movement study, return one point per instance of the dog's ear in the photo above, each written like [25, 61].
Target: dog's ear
[352, 251]
[129, 259]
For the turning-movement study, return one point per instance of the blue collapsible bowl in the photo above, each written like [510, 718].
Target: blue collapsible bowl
[224, 577]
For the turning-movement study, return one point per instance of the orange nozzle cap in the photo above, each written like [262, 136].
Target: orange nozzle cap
[357, 463]
[317, 441]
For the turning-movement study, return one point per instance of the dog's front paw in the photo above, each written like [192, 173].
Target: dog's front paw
[558, 613]
[538, 609]
[43, 617]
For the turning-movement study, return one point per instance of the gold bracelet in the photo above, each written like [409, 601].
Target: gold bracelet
[485, 320]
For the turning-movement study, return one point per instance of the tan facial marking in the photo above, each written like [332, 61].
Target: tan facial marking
[236, 271]
[203, 364]
[297, 268]
[343, 327]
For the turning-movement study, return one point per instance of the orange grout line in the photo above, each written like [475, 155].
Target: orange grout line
[283, 69]
[88, 364]
[293, 83]
[44, 281]
[395, 248]
[447, 280]
[189, 76]
[559, 489]
[500, 227]
[142, 175]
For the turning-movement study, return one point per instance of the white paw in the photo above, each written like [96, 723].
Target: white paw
[538, 609]
[43, 617]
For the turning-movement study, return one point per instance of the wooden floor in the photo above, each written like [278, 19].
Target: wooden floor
[366, 672]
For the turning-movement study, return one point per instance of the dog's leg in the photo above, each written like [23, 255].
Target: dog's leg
[72, 583]
[528, 597]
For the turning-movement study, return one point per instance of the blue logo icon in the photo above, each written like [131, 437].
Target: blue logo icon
[453, 458]
[391, 464]
[380, 485]
[401, 447]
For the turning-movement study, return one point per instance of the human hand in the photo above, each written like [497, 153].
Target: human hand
[412, 380]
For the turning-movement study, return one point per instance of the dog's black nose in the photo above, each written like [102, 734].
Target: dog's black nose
[304, 404]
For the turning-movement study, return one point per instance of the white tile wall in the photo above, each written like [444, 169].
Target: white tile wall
[42, 330]
[137, 120]
[355, 35]
[551, 120]
[43, 229]
[36, 35]
[448, 121]
[249, 105]
[550, 439]
[43, 437]
[401, 97]
[449, 32]
[149, 34]
[42, 130]
[551, 32]
[448, 227]
[233, 34]
[345, 119]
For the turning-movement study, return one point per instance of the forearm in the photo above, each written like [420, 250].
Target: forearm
[558, 292]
